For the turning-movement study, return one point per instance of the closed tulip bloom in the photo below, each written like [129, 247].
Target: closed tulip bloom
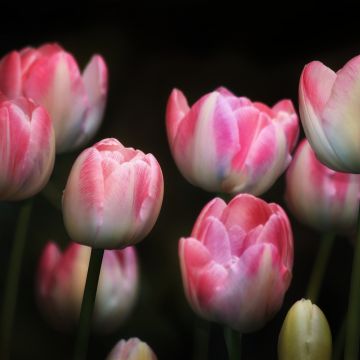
[305, 334]
[132, 349]
[237, 264]
[61, 281]
[51, 77]
[113, 195]
[330, 113]
[229, 144]
[320, 197]
[27, 148]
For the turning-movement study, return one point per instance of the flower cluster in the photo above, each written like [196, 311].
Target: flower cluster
[236, 264]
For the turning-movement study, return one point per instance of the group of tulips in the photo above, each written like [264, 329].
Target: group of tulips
[236, 264]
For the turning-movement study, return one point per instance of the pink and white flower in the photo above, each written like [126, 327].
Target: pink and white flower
[330, 113]
[113, 195]
[237, 264]
[51, 77]
[27, 148]
[61, 281]
[132, 349]
[321, 197]
[229, 144]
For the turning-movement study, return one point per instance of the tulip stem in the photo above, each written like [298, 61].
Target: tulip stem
[87, 306]
[318, 271]
[12, 280]
[233, 343]
[353, 315]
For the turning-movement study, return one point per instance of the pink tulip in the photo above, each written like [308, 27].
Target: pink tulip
[61, 280]
[330, 113]
[113, 195]
[132, 349]
[229, 144]
[236, 265]
[27, 148]
[321, 197]
[51, 77]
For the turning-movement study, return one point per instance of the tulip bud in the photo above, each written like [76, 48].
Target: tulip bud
[61, 281]
[27, 148]
[113, 195]
[320, 197]
[229, 144]
[236, 265]
[305, 334]
[51, 77]
[330, 112]
[132, 349]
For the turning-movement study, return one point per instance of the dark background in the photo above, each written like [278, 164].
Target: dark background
[150, 50]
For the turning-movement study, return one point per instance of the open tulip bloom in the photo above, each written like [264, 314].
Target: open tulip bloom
[51, 77]
[229, 144]
[330, 113]
[237, 263]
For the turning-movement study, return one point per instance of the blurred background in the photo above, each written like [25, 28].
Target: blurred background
[149, 51]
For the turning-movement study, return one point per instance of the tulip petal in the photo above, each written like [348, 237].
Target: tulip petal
[177, 108]
[216, 240]
[315, 87]
[10, 75]
[95, 78]
[246, 211]
[84, 198]
[54, 78]
[342, 115]
[214, 208]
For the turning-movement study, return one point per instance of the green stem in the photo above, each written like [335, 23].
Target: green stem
[353, 316]
[233, 343]
[319, 267]
[339, 342]
[12, 280]
[87, 306]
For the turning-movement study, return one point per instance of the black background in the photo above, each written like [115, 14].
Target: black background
[253, 51]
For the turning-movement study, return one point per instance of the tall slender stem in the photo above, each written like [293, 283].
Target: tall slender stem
[87, 306]
[12, 280]
[217, 346]
[233, 343]
[353, 316]
[319, 267]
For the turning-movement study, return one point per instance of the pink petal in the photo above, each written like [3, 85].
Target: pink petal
[246, 211]
[213, 208]
[216, 240]
[316, 84]
[48, 262]
[177, 108]
[10, 75]
[342, 113]
[95, 78]
[84, 197]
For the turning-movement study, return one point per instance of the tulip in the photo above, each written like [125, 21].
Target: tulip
[27, 148]
[61, 280]
[320, 197]
[113, 195]
[229, 144]
[51, 77]
[236, 265]
[305, 334]
[330, 113]
[132, 349]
